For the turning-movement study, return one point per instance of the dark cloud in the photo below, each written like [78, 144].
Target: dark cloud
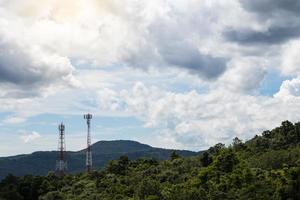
[17, 92]
[16, 67]
[177, 49]
[184, 55]
[274, 35]
[25, 72]
[267, 8]
[170, 45]
[281, 18]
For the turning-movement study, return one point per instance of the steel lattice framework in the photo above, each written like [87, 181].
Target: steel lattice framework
[88, 118]
[61, 163]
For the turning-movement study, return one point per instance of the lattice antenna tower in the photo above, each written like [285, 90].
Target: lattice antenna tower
[61, 163]
[88, 118]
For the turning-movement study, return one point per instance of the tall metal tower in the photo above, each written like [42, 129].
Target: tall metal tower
[88, 118]
[61, 163]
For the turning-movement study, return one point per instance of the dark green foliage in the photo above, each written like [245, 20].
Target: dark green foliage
[266, 167]
[149, 189]
[285, 136]
[206, 159]
[174, 155]
[237, 144]
[225, 161]
[216, 149]
[118, 166]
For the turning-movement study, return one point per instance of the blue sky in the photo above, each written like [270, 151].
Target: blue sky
[271, 83]
[173, 74]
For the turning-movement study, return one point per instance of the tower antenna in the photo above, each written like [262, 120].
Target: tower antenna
[61, 163]
[88, 118]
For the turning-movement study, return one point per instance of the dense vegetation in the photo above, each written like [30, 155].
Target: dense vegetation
[40, 163]
[265, 167]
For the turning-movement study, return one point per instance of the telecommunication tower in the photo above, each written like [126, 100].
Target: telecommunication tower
[61, 163]
[88, 118]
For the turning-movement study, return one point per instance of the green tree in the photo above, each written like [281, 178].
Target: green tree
[206, 159]
[237, 144]
[216, 149]
[118, 166]
[174, 155]
[53, 196]
[225, 161]
[148, 187]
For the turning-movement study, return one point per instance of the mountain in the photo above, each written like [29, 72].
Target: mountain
[40, 163]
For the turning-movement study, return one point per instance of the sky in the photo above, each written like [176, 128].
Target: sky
[182, 74]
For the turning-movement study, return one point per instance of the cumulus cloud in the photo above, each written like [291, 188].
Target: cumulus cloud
[279, 21]
[272, 7]
[27, 69]
[194, 120]
[244, 75]
[289, 89]
[290, 64]
[153, 34]
[273, 35]
[169, 45]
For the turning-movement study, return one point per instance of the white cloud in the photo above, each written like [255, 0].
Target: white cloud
[289, 89]
[194, 120]
[141, 34]
[245, 75]
[290, 58]
[26, 69]
[29, 137]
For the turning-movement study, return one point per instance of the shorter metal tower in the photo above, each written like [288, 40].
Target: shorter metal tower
[88, 118]
[61, 163]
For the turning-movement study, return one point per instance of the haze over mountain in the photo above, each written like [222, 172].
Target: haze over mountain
[41, 162]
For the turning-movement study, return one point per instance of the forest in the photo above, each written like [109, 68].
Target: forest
[265, 167]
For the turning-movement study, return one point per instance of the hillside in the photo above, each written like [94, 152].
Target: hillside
[265, 167]
[40, 163]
